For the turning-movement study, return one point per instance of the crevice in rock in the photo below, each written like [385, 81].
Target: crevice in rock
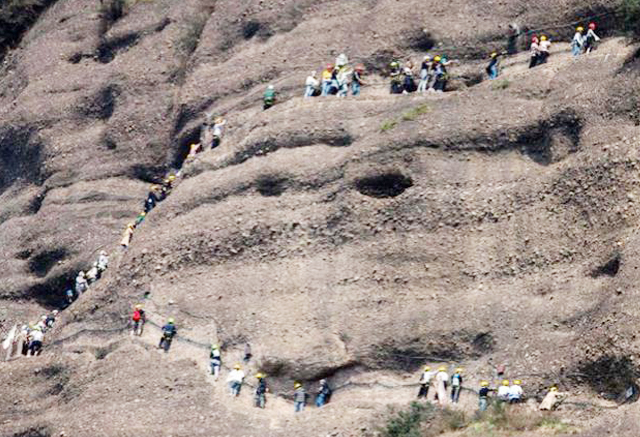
[384, 185]
[41, 263]
[609, 268]
[16, 18]
[611, 376]
[271, 184]
[33, 432]
[102, 104]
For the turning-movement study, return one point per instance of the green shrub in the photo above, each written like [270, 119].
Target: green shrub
[501, 84]
[413, 113]
[409, 423]
[388, 125]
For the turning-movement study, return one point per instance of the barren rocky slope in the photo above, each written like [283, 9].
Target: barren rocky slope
[346, 238]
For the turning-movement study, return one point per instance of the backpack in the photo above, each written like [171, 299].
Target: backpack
[136, 316]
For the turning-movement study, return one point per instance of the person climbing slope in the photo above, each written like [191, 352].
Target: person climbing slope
[324, 393]
[81, 284]
[493, 69]
[425, 74]
[311, 85]
[408, 81]
[126, 237]
[103, 261]
[356, 80]
[269, 98]
[578, 41]
[299, 397]
[591, 39]
[138, 319]
[503, 391]
[483, 396]
[545, 46]
[534, 52]
[327, 75]
[215, 361]
[260, 399]
[456, 385]
[235, 379]
[168, 332]
[515, 392]
[442, 378]
[218, 130]
[396, 78]
[36, 339]
[425, 382]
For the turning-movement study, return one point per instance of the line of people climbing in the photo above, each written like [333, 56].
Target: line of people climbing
[29, 339]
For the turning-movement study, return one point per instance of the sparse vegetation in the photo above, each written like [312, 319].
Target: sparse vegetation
[413, 113]
[388, 125]
[501, 84]
[424, 420]
[631, 15]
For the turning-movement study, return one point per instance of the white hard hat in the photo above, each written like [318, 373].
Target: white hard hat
[81, 273]
[270, 87]
[102, 252]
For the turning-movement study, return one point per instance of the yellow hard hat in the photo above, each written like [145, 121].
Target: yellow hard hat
[459, 370]
[505, 382]
[494, 54]
[517, 382]
[437, 59]
[442, 369]
[427, 368]
[139, 306]
[484, 384]
[171, 320]
[297, 385]
[580, 28]
[219, 120]
[172, 178]
[237, 367]
[259, 375]
[554, 388]
[543, 38]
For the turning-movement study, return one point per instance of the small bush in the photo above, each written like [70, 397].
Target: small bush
[409, 423]
[413, 113]
[388, 125]
[502, 84]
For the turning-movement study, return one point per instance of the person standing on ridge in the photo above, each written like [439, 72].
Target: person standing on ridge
[35, 345]
[503, 391]
[299, 397]
[215, 361]
[534, 51]
[456, 385]
[126, 237]
[356, 80]
[425, 74]
[235, 379]
[591, 38]
[327, 75]
[168, 332]
[138, 318]
[269, 97]
[425, 382]
[324, 393]
[442, 378]
[578, 41]
[396, 78]
[515, 392]
[81, 284]
[311, 84]
[483, 396]
[261, 391]
[545, 45]
[218, 129]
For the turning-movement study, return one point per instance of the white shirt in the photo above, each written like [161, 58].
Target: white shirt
[578, 38]
[312, 81]
[37, 335]
[544, 46]
[217, 129]
[515, 392]
[235, 376]
[426, 377]
[503, 392]
[442, 377]
[103, 262]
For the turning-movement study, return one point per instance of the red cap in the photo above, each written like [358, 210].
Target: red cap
[592, 26]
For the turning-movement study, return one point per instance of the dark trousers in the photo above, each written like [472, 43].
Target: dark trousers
[424, 391]
[534, 61]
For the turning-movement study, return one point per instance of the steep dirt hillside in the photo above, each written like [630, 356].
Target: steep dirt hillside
[352, 239]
